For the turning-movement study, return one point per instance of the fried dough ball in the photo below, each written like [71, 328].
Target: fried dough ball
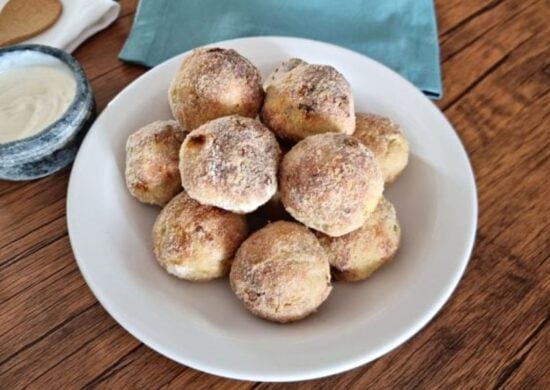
[231, 163]
[212, 83]
[196, 242]
[355, 256]
[331, 183]
[152, 158]
[304, 99]
[281, 272]
[385, 139]
[274, 210]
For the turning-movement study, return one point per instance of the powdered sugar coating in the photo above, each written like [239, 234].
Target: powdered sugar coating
[304, 99]
[281, 272]
[355, 256]
[196, 242]
[385, 139]
[152, 158]
[331, 183]
[231, 163]
[212, 83]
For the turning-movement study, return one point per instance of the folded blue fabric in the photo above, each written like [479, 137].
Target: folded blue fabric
[401, 34]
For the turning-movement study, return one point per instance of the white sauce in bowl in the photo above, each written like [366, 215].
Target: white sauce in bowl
[35, 91]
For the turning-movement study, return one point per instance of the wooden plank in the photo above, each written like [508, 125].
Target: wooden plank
[109, 85]
[76, 369]
[53, 349]
[152, 367]
[516, 97]
[199, 380]
[452, 14]
[529, 369]
[41, 308]
[33, 269]
[100, 55]
[26, 209]
[127, 7]
[466, 68]
[452, 42]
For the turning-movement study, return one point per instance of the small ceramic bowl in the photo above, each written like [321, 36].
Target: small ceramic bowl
[54, 147]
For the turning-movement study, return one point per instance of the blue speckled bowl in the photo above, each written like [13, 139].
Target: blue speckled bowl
[54, 147]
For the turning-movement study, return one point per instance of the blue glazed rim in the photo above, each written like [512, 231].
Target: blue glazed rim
[62, 131]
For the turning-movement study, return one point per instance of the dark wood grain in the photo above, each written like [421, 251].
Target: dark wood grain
[494, 331]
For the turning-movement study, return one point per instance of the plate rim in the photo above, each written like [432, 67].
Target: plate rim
[309, 373]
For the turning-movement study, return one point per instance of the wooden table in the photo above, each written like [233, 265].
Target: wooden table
[492, 333]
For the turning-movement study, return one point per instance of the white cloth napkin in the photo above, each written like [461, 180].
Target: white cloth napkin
[79, 20]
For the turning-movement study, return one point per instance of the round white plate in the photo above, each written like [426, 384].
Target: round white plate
[203, 325]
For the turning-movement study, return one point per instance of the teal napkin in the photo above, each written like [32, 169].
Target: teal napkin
[401, 34]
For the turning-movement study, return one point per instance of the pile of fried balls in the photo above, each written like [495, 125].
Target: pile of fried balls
[291, 153]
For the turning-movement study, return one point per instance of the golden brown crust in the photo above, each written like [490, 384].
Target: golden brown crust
[387, 142]
[330, 182]
[152, 158]
[304, 99]
[355, 256]
[231, 163]
[281, 273]
[196, 242]
[273, 210]
[212, 83]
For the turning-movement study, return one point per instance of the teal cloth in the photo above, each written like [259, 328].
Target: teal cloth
[401, 34]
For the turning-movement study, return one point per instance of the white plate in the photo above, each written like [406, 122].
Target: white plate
[203, 325]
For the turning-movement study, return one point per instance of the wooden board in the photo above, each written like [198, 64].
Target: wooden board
[492, 333]
[23, 19]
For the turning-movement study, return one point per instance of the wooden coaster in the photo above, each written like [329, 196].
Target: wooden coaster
[23, 19]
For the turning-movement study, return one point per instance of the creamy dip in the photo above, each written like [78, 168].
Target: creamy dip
[32, 97]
